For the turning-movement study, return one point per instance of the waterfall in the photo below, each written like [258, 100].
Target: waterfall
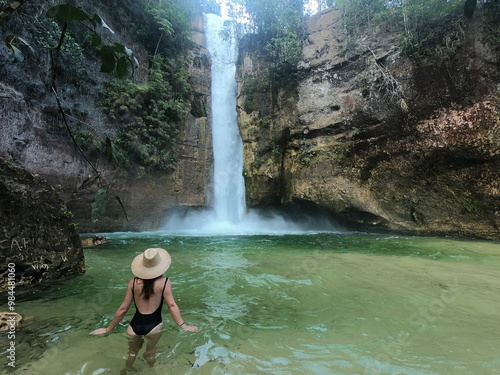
[229, 185]
[229, 208]
[229, 214]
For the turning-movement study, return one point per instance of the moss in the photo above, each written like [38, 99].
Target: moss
[306, 157]
[257, 163]
[256, 92]
[341, 152]
[148, 116]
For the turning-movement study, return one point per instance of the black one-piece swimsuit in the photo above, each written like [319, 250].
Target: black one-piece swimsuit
[142, 324]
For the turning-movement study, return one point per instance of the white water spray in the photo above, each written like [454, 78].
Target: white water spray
[229, 185]
[228, 214]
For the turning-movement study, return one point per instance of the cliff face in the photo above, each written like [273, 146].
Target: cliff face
[145, 200]
[378, 139]
[33, 133]
[38, 237]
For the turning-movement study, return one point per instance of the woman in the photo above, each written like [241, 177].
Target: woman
[147, 290]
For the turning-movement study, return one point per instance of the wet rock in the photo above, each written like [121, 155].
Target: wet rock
[9, 321]
[38, 238]
[94, 241]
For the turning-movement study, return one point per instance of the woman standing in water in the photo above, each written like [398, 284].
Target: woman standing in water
[148, 290]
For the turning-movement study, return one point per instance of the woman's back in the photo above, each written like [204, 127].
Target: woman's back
[148, 306]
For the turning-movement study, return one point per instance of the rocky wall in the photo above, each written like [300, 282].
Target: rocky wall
[33, 135]
[39, 240]
[382, 141]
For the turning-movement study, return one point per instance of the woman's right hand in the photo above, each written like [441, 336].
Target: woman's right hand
[99, 331]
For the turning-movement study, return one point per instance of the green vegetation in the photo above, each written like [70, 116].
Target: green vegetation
[306, 157]
[280, 30]
[341, 152]
[256, 91]
[147, 116]
[114, 57]
[424, 27]
[86, 138]
[257, 162]
[163, 27]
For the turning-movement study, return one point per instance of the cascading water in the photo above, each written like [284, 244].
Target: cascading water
[229, 214]
[229, 186]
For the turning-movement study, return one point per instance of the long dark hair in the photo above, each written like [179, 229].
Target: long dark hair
[148, 287]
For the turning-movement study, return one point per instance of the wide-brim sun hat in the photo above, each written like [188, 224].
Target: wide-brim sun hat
[151, 263]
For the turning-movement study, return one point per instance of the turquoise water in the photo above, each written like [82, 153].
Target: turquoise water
[320, 303]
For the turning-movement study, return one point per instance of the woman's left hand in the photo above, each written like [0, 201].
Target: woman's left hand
[99, 331]
[190, 328]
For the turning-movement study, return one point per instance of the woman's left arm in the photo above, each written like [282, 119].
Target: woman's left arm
[120, 313]
[174, 309]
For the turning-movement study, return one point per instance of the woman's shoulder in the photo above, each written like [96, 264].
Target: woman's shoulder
[161, 280]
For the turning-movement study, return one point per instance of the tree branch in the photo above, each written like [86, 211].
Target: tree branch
[69, 130]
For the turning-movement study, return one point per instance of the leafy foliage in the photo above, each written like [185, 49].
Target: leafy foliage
[432, 23]
[147, 116]
[164, 27]
[115, 57]
[424, 26]
[72, 66]
[279, 25]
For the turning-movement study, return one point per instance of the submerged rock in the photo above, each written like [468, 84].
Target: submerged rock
[9, 321]
[94, 241]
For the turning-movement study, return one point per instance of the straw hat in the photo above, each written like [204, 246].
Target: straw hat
[151, 264]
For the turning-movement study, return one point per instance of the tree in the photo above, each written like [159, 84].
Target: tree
[208, 6]
[319, 5]
[279, 25]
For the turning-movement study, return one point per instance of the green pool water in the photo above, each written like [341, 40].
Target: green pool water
[324, 303]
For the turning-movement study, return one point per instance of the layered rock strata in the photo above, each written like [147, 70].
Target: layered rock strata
[377, 139]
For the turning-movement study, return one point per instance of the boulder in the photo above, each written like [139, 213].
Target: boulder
[39, 241]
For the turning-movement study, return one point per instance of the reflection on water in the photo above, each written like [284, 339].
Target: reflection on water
[289, 304]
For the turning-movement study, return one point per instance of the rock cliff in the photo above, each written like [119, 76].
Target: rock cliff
[39, 241]
[33, 133]
[378, 139]
[146, 199]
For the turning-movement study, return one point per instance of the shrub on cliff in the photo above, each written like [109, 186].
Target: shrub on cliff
[147, 116]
